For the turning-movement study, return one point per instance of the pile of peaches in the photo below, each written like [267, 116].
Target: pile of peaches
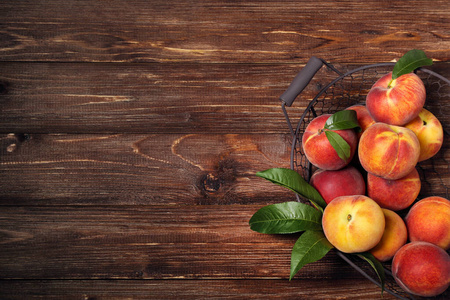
[366, 192]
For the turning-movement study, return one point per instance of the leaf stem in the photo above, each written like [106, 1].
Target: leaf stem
[317, 206]
[389, 84]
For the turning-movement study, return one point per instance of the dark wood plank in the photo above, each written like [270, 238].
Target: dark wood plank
[192, 289]
[148, 242]
[163, 98]
[221, 31]
[147, 98]
[140, 169]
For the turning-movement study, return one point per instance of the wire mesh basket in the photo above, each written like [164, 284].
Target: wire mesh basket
[350, 88]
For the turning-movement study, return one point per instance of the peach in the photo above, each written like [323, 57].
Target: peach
[394, 237]
[428, 130]
[394, 194]
[353, 223]
[422, 269]
[365, 120]
[396, 102]
[318, 149]
[344, 182]
[388, 151]
[428, 220]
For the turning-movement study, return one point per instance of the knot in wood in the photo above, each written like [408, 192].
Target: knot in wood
[211, 183]
[12, 141]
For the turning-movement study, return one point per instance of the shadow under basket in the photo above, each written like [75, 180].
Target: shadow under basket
[350, 88]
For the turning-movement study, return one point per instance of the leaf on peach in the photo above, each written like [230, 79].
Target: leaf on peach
[412, 60]
[344, 119]
[339, 144]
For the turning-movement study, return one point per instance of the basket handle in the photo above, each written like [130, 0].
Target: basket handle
[301, 80]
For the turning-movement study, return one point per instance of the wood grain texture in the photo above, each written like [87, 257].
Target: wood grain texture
[192, 289]
[221, 31]
[140, 169]
[148, 98]
[161, 98]
[148, 242]
[130, 132]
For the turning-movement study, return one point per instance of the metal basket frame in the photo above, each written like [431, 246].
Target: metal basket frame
[302, 79]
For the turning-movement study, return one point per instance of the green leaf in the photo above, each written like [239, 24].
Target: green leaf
[339, 144]
[310, 247]
[376, 265]
[292, 180]
[344, 119]
[412, 60]
[287, 217]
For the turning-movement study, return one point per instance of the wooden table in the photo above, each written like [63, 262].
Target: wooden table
[131, 132]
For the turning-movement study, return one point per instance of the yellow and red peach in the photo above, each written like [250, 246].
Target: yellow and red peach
[428, 220]
[344, 182]
[428, 130]
[394, 194]
[353, 223]
[363, 116]
[422, 269]
[318, 149]
[394, 237]
[388, 151]
[396, 102]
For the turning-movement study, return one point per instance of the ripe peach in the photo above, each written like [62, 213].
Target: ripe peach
[353, 223]
[388, 151]
[394, 194]
[422, 269]
[429, 131]
[318, 149]
[429, 220]
[365, 120]
[344, 182]
[396, 102]
[394, 237]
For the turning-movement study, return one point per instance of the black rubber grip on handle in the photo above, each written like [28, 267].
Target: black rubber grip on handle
[301, 80]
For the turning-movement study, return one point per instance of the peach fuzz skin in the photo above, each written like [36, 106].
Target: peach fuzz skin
[428, 220]
[394, 237]
[318, 149]
[344, 182]
[365, 120]
[422, 269]
[394, 194]
[399, 103]
[388, 151]
[428, 130]
[353, 223]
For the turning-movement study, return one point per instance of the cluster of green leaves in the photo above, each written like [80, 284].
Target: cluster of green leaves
[293, 217]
